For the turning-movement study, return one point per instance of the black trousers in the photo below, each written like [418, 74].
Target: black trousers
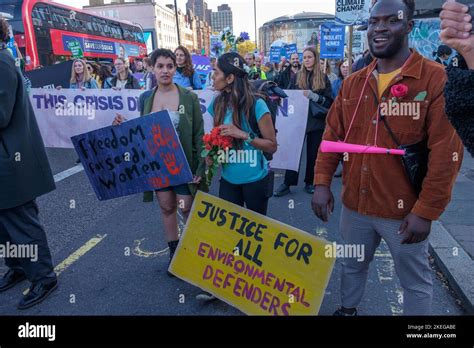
[254, 195]
[313, 140]
[21, 226]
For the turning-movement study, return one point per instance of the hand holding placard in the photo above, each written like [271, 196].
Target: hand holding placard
[140, 155]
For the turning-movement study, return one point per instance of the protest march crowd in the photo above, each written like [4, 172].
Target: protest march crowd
[384, 196]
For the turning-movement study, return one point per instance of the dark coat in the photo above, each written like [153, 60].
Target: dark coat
[284, 78]
[458, 92]
[25, 172]
[318, 123]
[362, 62]
[132, 82]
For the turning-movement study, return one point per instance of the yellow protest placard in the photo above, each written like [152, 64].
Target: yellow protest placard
[254, 263]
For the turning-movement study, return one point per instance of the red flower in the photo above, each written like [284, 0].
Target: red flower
[214, 141]
[399, 90]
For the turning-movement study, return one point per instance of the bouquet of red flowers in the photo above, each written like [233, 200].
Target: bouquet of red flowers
[213, 143]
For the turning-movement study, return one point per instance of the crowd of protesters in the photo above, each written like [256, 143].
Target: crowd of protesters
[371, 185]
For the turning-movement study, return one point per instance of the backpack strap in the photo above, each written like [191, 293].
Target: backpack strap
[253, 118]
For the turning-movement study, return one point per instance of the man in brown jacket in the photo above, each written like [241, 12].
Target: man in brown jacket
[378, 198]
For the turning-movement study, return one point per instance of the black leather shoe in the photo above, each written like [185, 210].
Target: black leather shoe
[10, 279]
[342, 312]
[172, 245]
[37, 293]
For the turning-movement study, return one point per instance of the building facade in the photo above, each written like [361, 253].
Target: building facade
[199, 9]
[161, 22]
[203, 36]
[158, 22]
[302, 29]
[186, 30]
[114, 2]
[222, 18]
[166, 27]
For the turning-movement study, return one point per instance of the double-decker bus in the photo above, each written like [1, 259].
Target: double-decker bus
[44, 31]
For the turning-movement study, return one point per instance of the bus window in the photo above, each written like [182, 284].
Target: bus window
[12, 13]
[139, 36]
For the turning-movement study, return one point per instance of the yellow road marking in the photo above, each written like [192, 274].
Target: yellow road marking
[76, 255]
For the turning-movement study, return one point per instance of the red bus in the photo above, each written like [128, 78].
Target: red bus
[44, 29]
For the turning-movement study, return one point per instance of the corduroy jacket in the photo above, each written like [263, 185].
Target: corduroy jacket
[377, 185]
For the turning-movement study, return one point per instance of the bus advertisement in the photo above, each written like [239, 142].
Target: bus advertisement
[44, 30]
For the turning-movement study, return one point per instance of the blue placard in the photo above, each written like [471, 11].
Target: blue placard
[140, 155]
[332, 41]
[275, 54]
[289, 50]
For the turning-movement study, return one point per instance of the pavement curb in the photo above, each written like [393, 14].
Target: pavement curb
[455, 264]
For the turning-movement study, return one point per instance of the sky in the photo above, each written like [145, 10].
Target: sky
[243, 9]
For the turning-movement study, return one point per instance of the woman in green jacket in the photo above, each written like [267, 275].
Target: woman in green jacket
[189, 125]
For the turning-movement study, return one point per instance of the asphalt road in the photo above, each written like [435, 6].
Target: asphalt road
[112, 256]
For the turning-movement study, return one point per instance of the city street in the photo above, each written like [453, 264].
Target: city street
[111, 256]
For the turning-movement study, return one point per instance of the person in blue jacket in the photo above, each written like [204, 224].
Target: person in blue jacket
[342, 71]
[185, 75]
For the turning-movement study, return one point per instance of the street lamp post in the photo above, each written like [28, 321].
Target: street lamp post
[177, 21]
[255, 20]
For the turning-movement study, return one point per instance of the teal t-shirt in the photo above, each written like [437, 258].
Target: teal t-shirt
[249, 165]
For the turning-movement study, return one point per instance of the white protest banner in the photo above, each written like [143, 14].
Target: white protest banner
[291, 130]
[290, 124]
[352, 12]
[62, 114]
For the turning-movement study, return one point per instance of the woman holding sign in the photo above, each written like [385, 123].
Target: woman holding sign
[245, 179]
[124, 78]
[81, 77]
[185, 112]
[317, 88]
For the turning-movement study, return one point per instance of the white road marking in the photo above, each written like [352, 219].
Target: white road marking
[69, 172]
[387, 278]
